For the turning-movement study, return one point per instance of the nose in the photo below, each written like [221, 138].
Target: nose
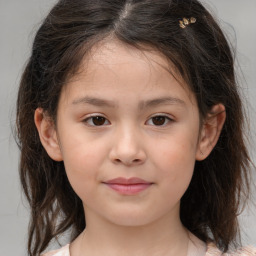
[127, 148]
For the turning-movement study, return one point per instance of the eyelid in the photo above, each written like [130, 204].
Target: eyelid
[90, 116]
[167, 116]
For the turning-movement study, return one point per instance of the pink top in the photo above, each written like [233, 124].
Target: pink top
[211, 250]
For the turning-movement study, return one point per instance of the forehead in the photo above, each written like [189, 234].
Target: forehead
[111, 64]
[111, 52]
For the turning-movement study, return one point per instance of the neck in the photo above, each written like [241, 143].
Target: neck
[163, 237]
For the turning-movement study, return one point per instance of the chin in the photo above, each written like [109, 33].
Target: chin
[132, 218]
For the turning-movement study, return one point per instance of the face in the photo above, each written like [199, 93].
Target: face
[128, 134]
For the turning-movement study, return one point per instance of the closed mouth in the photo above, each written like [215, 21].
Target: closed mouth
[130, 186]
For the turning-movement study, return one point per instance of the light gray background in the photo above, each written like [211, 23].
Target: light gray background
[19, 20]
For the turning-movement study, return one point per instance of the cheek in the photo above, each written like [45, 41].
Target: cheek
[82, 172]
[176, 162]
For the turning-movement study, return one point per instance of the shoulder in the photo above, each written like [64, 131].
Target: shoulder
[212, 250]
[64, 251]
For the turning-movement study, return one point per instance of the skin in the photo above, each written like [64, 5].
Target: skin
[128, 89]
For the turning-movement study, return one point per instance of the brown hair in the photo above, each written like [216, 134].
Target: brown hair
[201, 55]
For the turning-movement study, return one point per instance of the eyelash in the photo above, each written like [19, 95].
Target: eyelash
[167, 119]
[89, 120]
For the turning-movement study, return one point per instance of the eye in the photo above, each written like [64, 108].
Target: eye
[159, 120]
[96, 121]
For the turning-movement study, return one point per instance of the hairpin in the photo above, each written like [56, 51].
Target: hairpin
[186, 21]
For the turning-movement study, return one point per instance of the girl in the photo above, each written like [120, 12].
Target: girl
[131, 131]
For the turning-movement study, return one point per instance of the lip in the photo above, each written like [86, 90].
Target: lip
[129, 186]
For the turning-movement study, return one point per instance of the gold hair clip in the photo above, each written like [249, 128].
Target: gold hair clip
[186, 21]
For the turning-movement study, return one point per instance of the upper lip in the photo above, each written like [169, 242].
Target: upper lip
[129, 181]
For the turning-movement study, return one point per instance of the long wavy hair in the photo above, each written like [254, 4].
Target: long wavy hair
[200, 54]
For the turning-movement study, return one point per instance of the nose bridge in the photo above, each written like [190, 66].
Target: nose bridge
[128, 145]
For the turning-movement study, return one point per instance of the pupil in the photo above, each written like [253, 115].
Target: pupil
[158, 120]
[98, 120]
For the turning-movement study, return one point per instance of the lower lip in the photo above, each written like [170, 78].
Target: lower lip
[129, 189]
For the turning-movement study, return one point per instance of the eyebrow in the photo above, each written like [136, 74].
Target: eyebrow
[94, 101]
[142, 105]
[161, 101]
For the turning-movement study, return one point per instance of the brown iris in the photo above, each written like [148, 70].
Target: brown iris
[158, 120]
[98, 120]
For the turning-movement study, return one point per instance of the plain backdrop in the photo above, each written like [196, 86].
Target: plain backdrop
[19, 20]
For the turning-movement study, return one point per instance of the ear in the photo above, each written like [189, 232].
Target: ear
[210, 131]
[47, 133]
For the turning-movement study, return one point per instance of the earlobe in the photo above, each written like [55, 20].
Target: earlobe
[210, 132]
[48, 135]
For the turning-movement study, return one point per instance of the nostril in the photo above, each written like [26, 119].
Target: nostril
[134, 161]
